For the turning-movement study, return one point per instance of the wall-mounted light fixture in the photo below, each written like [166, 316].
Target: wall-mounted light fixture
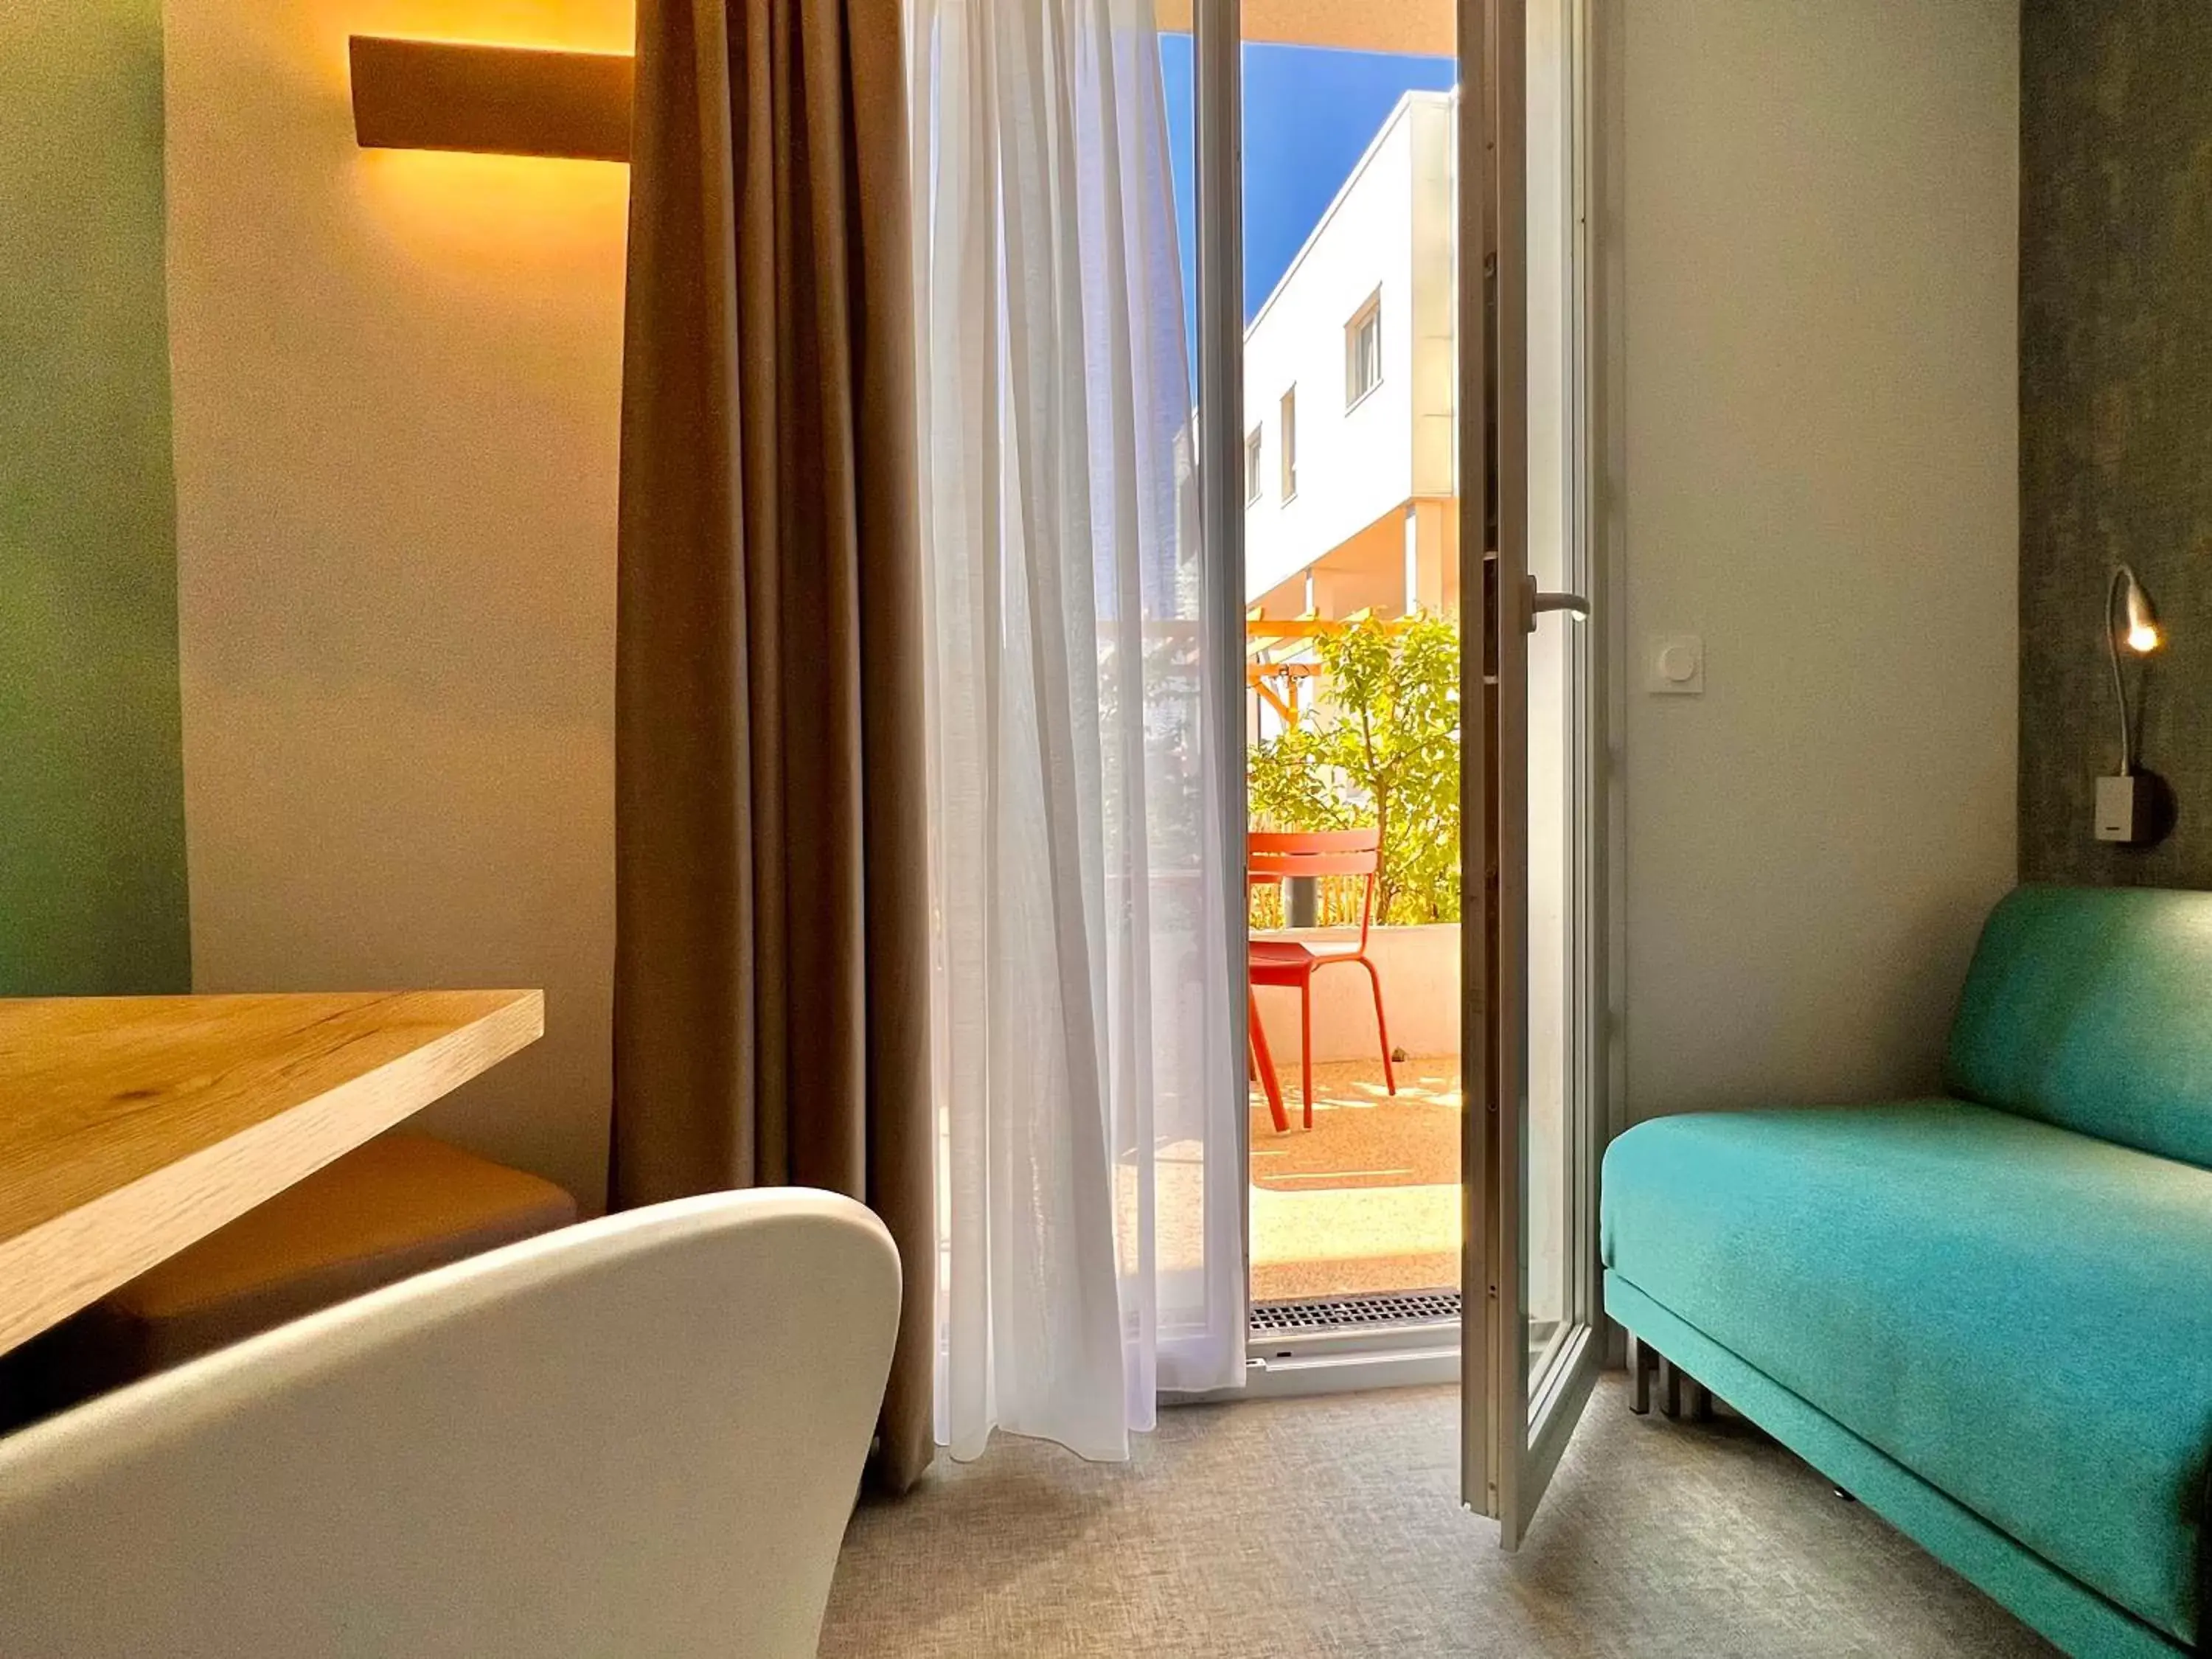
[503, 100]
[2134, 807]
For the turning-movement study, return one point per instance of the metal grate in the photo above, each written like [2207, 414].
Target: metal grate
[1353, 1313]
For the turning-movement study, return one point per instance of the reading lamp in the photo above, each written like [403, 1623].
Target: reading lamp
[2133, 807]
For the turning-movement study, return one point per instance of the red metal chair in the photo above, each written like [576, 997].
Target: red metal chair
[1293, 963]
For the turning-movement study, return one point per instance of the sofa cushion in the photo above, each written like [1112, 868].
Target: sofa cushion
[2020, 1314]
[2087, 1007]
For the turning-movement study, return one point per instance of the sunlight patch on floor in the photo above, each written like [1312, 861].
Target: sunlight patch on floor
[1366, 1200]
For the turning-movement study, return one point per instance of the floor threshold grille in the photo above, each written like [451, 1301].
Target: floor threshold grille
[1347, 1313]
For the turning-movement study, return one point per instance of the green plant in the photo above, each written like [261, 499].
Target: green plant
[1381, 748]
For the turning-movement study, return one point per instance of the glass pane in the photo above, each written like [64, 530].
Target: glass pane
[1351, 589]
[1557, 663]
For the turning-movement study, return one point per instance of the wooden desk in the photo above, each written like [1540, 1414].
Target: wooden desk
[130, 1126]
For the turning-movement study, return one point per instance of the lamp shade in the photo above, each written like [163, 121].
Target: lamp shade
[512, 100]
[2142, 634]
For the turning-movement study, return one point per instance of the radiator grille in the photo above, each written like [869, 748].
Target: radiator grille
[1353, 1313]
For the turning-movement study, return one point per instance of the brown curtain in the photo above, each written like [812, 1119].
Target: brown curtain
[771, 1015]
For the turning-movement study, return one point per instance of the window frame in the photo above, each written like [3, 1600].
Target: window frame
[1370, 315]
[1286, 446]
[1254, 456]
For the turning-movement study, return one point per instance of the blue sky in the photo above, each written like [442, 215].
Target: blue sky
[1309, 115]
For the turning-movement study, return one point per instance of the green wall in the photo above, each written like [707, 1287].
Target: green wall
[2116, 416]
[92, 830]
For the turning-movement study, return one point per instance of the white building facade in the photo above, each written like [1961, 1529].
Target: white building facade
[1349, 390]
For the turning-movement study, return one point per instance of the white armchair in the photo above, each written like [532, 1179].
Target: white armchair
[640, 1436]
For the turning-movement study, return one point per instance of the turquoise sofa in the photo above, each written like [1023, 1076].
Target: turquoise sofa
[1987, 1315]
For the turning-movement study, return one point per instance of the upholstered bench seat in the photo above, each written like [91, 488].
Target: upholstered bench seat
[2020, 1314]
[391, 1208]
[1989, 1315]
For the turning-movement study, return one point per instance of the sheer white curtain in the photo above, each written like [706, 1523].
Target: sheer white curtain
[1087, 1104]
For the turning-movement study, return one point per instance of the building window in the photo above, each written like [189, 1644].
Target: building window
[1290, 443]
[1252, 467]
[1362, 351]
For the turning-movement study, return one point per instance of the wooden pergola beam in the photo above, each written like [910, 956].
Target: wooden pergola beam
[1412, 26]
[1313, 627]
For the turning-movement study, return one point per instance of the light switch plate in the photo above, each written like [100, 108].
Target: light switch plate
[1674, 666]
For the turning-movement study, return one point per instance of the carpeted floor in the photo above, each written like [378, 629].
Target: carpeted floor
[1331, 1527]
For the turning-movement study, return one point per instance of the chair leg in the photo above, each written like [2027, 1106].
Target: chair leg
[1382, 1026]
[1640, 1376]
[1263, 1061]
[1305, 1043]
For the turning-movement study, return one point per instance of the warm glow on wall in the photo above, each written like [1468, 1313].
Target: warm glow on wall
[488, 212]
[559, 25]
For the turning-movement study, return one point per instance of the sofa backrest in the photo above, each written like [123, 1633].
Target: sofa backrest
[2091, 1007]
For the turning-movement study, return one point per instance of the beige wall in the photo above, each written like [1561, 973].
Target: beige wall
[1819, 363]
[396, 404]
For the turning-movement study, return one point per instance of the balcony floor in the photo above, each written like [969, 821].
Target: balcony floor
[1367, 1200]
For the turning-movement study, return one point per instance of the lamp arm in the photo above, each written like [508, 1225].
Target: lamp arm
[2120, 574]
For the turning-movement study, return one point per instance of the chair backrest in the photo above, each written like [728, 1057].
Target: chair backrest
[1313, 852]
[1279, 854]
[642, 1434]
[2092, 1008]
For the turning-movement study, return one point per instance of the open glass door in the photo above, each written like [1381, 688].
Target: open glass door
[1530, 671]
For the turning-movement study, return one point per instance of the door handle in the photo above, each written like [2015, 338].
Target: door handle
[1539, 601]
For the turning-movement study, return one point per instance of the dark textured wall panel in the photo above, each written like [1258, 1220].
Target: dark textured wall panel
[2116, 416]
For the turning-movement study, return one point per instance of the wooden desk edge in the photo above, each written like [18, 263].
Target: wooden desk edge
[73, 1260]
